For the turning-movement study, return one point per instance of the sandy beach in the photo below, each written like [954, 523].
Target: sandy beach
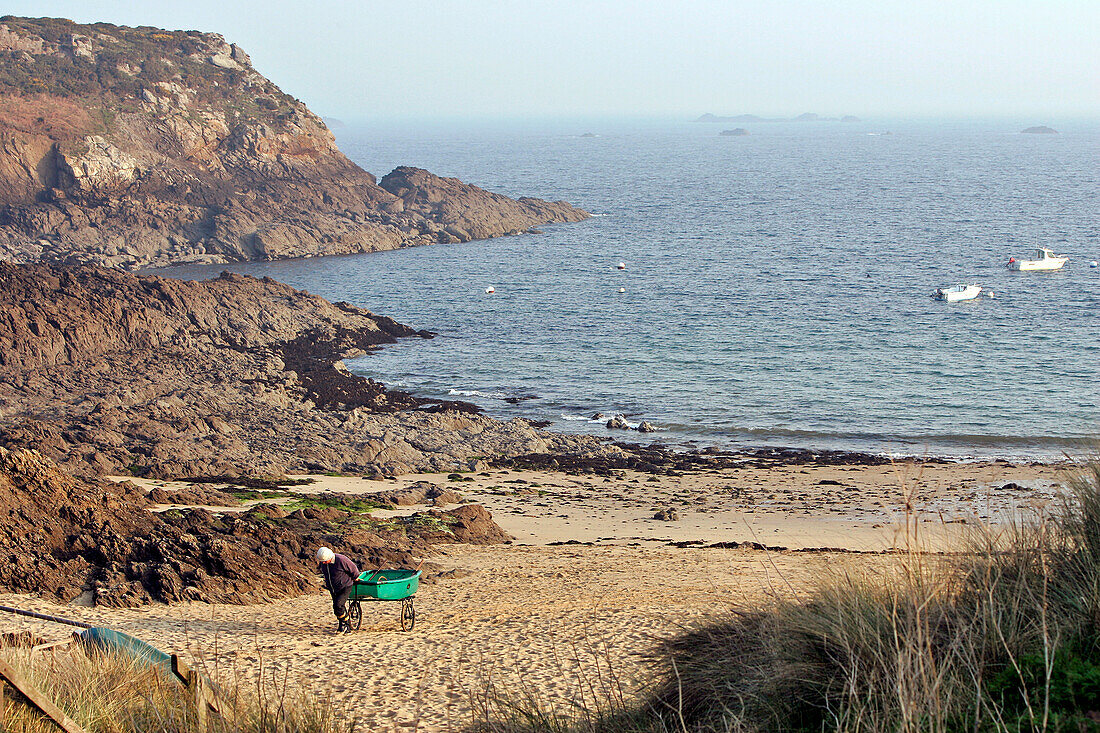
[571, 607]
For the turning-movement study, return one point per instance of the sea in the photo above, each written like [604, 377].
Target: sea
[774, 289]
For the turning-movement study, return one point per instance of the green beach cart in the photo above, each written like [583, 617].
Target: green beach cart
[387, 584]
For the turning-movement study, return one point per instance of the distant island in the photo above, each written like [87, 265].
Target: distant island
[1039, 130]
[735, 132]
[806, 117]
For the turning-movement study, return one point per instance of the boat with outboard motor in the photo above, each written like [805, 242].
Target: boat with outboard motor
[962, 291]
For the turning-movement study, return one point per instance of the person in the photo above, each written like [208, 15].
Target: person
[340, 574]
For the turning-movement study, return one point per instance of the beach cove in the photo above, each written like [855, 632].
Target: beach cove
[590, 583]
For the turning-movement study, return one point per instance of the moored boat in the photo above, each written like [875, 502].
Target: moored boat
[1045, 259]
[962, 291]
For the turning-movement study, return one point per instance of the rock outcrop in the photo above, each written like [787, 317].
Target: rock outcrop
[108, 372]
[65, 537]
[139, 147]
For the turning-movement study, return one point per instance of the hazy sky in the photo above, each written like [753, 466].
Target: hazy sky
[411, 58]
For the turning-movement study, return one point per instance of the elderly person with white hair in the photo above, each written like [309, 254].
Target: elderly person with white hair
[339, 573]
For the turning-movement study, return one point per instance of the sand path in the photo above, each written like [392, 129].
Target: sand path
[560, 623]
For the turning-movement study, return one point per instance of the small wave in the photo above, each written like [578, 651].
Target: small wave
[475, 393]
[580, 418]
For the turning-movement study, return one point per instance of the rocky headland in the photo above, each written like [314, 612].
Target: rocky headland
[103, 372]
[143, 147]
[107, 372]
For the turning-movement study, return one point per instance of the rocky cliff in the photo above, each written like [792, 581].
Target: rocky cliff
[136, 147]
[107, 372]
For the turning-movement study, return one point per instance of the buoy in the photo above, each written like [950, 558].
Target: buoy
[490, 289]
[622, 290]
[1094, 263]
[1011, 260]
[622, 265]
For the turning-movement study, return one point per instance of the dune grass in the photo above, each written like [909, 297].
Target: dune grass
[1001, 636]
[115, 694]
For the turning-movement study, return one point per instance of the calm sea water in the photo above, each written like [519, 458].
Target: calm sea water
[777, 286]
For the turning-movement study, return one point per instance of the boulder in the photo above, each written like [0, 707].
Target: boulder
[224, 62]
[421, 492]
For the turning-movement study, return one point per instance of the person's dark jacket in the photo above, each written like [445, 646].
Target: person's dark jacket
[340, 574]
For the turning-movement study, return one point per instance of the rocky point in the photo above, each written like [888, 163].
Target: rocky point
[143, 147]
[111, 373]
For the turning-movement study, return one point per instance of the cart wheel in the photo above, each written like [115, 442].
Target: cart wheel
[408, 615]
[355, 615]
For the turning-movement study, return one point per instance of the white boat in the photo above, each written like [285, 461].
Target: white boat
[1044, 260]
[954, 293]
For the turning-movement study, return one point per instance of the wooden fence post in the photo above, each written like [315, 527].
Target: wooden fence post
[37, 700]
[205, 700]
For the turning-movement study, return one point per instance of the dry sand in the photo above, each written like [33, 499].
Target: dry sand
[562, 621]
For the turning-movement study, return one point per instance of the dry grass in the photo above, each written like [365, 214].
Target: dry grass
[39, 114]
[114, 694]
[1002, 636]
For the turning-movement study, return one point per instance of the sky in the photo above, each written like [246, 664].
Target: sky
[428, 59]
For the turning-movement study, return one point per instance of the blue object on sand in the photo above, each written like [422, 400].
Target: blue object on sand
[115, 642]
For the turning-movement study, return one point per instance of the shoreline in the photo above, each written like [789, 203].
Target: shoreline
[990, 449]
[976, 448]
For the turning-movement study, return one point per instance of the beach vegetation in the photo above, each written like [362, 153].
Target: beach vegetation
[258, 494]
[431, 522]
[1002, 635]
[258, 483]
[117, 694]
[344, 502]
